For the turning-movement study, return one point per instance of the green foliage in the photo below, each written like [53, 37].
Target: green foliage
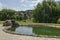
[58, 21]
[47, 11]
[6, 14]
[19, 18]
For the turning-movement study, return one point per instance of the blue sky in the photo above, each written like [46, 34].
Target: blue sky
[19, 4]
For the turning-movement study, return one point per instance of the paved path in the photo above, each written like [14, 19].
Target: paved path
[6, 36]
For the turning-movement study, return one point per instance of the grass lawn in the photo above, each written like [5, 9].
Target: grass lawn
[31, 22]
[1, 22]
[27, 22]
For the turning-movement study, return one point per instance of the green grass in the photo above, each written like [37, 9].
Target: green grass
[56, 24]
[27, 22]
[31, 22]
[1, 22]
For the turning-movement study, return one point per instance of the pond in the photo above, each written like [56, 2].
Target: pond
[36, 30]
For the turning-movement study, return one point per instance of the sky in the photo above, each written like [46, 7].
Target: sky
[19, 4]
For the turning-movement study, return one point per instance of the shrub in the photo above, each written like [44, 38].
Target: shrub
[58, 21]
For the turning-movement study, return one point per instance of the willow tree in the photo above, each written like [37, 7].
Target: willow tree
[47, 11]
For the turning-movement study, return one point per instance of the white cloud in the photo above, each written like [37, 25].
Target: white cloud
[28, 4]
[23, 5]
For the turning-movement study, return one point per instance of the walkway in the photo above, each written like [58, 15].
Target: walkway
[6, 36]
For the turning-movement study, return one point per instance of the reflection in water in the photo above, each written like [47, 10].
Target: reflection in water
[24, 30]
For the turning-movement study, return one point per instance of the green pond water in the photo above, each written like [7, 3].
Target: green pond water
[38, 30]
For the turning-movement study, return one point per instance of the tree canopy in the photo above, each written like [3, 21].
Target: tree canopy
[47, 11]
[6, 14]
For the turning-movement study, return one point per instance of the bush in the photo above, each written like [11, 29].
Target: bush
[19, 18]
[58, 21]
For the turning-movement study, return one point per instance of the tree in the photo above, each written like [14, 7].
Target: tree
[7, 14]
[47, 11]
[37, 13]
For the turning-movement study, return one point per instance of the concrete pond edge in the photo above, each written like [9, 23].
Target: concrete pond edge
[46, 36]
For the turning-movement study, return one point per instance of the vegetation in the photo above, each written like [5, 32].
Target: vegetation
[27, 22]
[47, 12]
[46, 31]
[6, 14]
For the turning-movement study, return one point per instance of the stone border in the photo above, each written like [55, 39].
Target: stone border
[49, 25]
[46, 36]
